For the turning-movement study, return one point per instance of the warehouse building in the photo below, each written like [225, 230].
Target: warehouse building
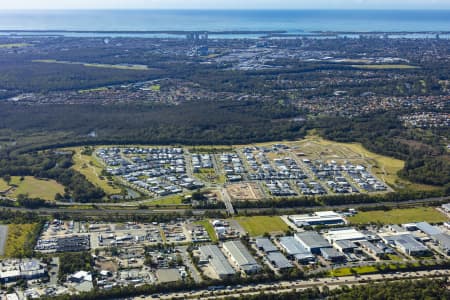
[240, 256]
[13, 270]
[428, 228]
[312, 241]
[443, 240]
[371, 248]
[295, 250]
[345, 246]
[264, 244]
[437, 235]
[317, 218]
[211, 254]
[344, 234]
[407, 244]
[332, 254]
[278, 260]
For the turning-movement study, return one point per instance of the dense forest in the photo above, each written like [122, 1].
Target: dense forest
[190, 123]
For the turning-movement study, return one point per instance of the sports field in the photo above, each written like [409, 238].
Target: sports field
[258, 225]
[36, 188]
[399, 216]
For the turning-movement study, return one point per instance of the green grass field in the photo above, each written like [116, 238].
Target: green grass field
[3, 185]
[18, 235]
[258, 225]
[36, 188]
[170, 200]
[399, 216]
[357, 270]
[209, 228]
[384, 67]
[89, 167]
[92, 65]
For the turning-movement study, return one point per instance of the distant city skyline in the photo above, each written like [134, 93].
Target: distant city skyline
[226, 4]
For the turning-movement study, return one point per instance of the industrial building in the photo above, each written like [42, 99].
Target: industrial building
[407, 244]
[428, 228]
[264, 244]
[295, 250]
[344, 234]
[318, 218]
[443, 240]
[211, 254]
[446, 207]
[312, 241]
[12, 270]
[332, 254]
[437, 235]
[278, 260]
[241, 257]
[345, 246]
[371, 248]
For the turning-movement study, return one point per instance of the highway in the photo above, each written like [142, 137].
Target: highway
[102, 208]
[289, 286]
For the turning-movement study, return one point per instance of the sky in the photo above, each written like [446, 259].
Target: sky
[224, 4]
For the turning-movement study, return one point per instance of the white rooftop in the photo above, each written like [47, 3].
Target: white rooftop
[344, 234]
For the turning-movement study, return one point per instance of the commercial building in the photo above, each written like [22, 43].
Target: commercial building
[407, 244]
[211, 254]
[312, 241]
[295, 250]
[317, 218]
[240, 256]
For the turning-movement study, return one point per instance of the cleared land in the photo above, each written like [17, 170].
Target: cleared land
[258, 225]
[121, 67]
[399, 216]
[36, 188]
[245, 191]
[89, 167]
[19, 235]
[383, 67]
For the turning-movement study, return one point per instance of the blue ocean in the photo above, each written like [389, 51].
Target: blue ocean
[293, 21]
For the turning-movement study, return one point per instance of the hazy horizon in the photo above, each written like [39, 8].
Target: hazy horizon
[226, 5]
